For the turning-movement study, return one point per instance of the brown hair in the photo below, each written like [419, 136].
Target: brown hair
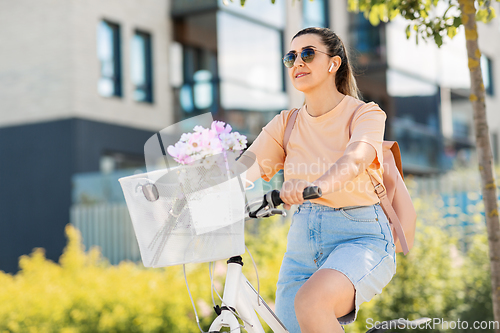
[344, 78]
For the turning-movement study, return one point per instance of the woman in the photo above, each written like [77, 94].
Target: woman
[340, 249]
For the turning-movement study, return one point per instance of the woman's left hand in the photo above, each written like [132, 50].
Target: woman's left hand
[292, 191]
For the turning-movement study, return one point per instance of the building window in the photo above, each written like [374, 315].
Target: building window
[250, 66]
[108, 53]
[487, 69]
[142, 67]
[315, 13]
[366, 39]
[111, 161]
[199, 92]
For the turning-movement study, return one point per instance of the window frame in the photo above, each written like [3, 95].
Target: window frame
[148, 66]
[117, 77]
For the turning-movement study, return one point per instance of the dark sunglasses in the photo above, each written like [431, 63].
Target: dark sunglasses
[307, 56]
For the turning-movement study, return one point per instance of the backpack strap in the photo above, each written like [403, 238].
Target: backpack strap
[381, 192]
[389, 211]
[289, 126]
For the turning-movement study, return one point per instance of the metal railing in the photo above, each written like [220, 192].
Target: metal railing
[109, 227]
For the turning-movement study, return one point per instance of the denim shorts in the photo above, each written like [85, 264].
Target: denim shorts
[357, 241]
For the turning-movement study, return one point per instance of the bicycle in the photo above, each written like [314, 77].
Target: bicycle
[241, 300]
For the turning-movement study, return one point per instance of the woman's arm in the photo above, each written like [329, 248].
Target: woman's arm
[254, 170]
[356, 159]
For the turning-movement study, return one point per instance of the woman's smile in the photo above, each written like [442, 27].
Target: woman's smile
[300, 74]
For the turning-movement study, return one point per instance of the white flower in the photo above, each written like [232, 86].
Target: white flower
[199, 128]
[208, 162]
[185, 137]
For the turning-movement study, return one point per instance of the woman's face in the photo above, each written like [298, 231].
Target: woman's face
[308, 76]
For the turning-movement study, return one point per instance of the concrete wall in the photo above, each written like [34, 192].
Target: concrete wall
[36, 69]
[49, 68]
[293, 25]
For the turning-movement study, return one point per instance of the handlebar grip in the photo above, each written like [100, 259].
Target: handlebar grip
[275, 197]
[310, 192]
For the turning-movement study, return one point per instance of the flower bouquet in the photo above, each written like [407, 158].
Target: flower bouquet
[193, 212]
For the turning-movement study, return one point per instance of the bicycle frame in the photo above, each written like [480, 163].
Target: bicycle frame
[240, 295]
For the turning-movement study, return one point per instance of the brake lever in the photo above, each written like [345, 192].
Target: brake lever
[278, 211]
[263, 213]
[270, 212]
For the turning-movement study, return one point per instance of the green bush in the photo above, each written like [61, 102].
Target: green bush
[83, 293]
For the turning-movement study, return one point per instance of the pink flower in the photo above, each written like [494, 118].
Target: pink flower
[218, 127]
[195, 141]
[173, 150]
[184, 159]
[206, 142]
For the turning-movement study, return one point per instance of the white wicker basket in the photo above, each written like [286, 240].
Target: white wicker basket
[188, 214]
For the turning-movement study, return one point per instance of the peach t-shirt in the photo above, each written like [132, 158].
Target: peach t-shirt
[316, 143]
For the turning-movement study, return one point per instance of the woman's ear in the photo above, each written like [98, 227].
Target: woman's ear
[336, 61]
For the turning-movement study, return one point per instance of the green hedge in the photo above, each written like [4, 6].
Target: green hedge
[83, 293]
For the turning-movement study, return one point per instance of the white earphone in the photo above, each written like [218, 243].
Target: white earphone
[331, 67]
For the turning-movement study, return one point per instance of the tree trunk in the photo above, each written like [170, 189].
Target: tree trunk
[483, 146]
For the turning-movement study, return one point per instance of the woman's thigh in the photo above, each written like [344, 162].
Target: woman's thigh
[326, 291]
[366, 255]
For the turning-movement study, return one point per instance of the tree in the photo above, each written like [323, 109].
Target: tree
[429, 24]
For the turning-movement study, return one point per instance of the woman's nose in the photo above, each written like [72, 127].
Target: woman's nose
[298, 61]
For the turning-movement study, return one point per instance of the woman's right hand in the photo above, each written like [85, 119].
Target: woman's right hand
[292, 192]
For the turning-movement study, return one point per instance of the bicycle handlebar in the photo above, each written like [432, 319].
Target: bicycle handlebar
[310, 192]
[272, 199]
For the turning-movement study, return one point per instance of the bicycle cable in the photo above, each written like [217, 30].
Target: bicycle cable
[191, 297]
[256, 273]
[211, 266]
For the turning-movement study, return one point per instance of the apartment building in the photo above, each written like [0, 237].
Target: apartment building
[84, 84]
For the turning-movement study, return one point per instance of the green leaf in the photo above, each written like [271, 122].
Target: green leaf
[482, 15]
[374, 16]
[488, 13]
[452, 31]
[408, 31]
[242, 3]
[457, 21]
[273, 1]
[393, 12]
[438, 39]
[493, 13]
[353, 6]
